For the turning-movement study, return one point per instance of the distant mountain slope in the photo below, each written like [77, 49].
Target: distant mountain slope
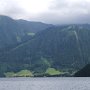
[34, 27]
[8, 31]
[85, 72]
[60, 47]
[15, 31]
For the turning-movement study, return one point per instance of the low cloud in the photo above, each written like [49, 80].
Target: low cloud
[11, 8]
[68, 12]
[58, 12]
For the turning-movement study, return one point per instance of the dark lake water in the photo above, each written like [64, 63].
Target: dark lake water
[45, 83]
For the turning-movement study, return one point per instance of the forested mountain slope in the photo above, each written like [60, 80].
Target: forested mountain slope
[84, 72]
[60, 47]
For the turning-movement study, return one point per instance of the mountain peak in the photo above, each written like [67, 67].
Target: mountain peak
[5, 17]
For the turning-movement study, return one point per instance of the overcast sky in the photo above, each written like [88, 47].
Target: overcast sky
[48, 11]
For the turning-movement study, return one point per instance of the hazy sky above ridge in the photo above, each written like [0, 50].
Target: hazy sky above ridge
[48, 11]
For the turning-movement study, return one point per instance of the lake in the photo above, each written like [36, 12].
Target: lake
[45, 83]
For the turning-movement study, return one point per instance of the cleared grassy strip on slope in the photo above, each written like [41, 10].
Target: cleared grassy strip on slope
[22, 73]
[52, 71]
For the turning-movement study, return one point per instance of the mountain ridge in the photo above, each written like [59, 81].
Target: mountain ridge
[13, 31]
